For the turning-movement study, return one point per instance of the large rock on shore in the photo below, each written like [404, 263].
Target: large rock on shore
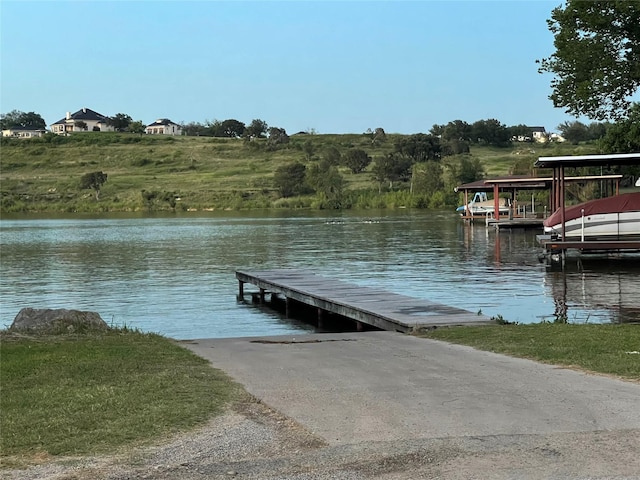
[46, 320]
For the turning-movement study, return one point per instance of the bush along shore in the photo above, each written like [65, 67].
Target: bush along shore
[123, 172]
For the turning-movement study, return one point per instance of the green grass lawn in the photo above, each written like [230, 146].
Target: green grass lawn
[596, 348]
[206, 173]
[93, 393]
[98, 393]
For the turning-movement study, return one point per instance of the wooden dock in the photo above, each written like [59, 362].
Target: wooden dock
[516, 223]
[594, 246]
[363, 305]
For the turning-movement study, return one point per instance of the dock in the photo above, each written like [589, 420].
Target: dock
[366, 306]
[516, 223]
[592, 246]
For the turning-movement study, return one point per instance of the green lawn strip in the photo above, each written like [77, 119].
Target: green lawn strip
[596, 348]
[85, 394]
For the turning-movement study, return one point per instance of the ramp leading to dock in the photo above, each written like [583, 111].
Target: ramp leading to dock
[364, 305]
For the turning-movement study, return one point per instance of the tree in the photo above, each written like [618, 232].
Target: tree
[490, 132]
[597, 59]
[391, 167]
[356, 160]
[277, 136]
[454, 147]
[470, 170]
[437, 130]
[520, 131]
[81, 125]
[257, 128]
[427, 177]
[457, 130]
[290, 179]
[574, 132]
[232, 128]
[624, 135]
[419, 147]
[93, 180]
[195, 129]
[332, 156]
[16, 118]
[136, 127]
[120, 122]
[325, 179]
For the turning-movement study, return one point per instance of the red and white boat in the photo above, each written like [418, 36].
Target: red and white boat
[611, 218]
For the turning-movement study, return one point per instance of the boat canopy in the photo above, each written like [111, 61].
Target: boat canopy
[628, 202]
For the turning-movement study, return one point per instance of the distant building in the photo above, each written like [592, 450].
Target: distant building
[23, 132]
[539, 134]
[163, 126]
[83, 120]
[535, 134]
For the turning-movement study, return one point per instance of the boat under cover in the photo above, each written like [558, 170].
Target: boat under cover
[605, 218]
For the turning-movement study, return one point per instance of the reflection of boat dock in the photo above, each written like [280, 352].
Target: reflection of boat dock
[520, 222]
[343, 302]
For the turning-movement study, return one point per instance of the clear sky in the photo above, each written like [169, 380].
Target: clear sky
[334, 66]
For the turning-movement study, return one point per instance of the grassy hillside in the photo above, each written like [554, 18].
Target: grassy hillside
[203, 173]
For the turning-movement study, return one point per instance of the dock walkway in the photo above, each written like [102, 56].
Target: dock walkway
[365, 305]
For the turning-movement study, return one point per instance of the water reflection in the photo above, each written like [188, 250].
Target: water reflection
[608, 289]
[175, 274]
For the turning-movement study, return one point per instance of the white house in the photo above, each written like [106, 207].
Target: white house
[83, 120]
[23, 132]
[163, 126]
[539, 134]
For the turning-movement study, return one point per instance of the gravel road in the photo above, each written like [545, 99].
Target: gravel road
[254, 442]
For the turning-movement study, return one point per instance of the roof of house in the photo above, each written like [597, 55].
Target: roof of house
[162, 121]
[84, 114]
[20, 128]
[537, 129]
[589, 160]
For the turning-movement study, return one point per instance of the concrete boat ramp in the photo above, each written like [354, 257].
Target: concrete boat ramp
[495, 416]
[363, 305]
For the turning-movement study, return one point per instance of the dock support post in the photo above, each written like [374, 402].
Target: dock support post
[261, 296]
[286, 306]
[320, 318]
[240, 290]
[359, 326]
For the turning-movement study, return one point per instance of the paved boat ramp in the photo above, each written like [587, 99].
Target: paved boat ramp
[363, 305]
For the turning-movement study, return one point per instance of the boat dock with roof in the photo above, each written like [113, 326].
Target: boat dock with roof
[560, 243]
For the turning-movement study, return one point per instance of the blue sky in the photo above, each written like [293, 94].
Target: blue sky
[336, 67]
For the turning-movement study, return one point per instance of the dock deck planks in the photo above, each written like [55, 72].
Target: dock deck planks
[372, 306]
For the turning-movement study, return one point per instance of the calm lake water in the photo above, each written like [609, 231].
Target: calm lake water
[176, 275]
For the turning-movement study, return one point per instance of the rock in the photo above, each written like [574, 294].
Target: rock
[46, 320]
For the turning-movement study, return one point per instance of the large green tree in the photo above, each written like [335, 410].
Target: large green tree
[356, 160]
[597, 59]
[325, 179]
[490, 132]
[289, 179]
[624, 135]
[93, 180]
[120, 122]
[419, 147]
[16, 118]
[575, 132]
[257, 128]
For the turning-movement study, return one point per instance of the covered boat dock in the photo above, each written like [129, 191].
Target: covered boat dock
[558, 202]
[519, 216]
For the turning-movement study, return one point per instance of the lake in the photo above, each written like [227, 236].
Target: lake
[175, 275]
